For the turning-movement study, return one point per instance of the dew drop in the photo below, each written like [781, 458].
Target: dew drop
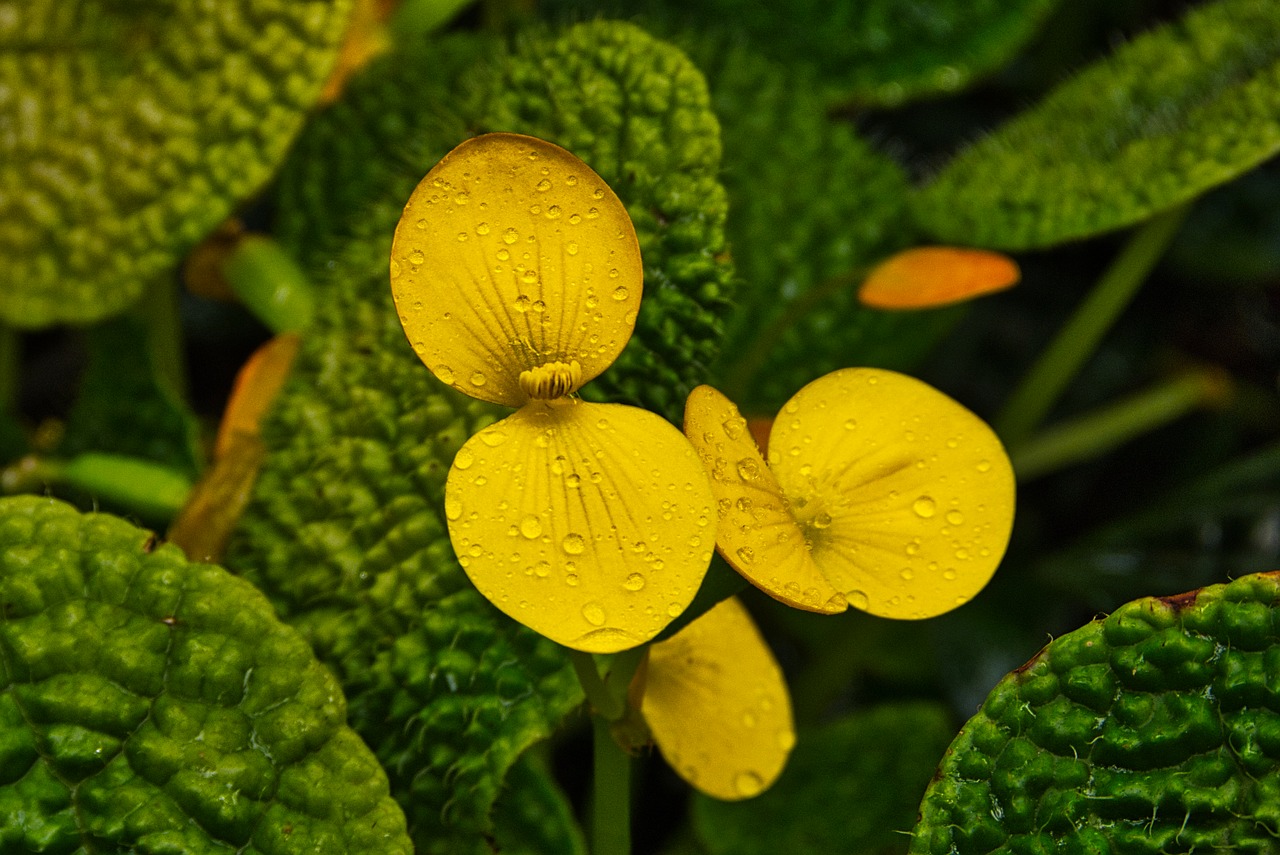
[571, 248]
[445, 373]
[746, 554]
[493, 437]
[634, 582]
[543, 186]
[571, 580]
[913, 547]
[748, 784]
[786, 739]
[924, 507]
[542, 569]
[949, 574]
[463, 459]
[593, 613]
[572, 480]
[858, 599]
[416, 257]
[822, 520]
[675, 610]
[452, 507]
[395, 268]
[955, 518]
[907, 574]
[984, 465]
[620, 293]
[478, 379]
[748, 469]
[734, 427]
[573, 544]
[522, 304]
[530, 527]
[482, 228]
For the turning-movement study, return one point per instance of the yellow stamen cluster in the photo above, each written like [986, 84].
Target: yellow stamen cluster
[552, 380]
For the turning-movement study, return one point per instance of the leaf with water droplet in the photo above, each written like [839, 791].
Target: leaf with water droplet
[753, 511]
[478, 319]
[614, 529]
[717, 704]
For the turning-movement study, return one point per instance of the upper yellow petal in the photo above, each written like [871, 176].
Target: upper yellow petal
[905, 496]
[717, 705]
[513, 254]
[928, 276]
[757, 532]
[590, 523]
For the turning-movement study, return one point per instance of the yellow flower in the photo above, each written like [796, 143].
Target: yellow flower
[717, 705]
[517, 276]
[880, 493]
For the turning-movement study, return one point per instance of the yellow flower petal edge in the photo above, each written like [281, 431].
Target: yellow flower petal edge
[905, 497]
[928, 276]
[758, 534]
[515, 270]
[717, 705]
[592, 524]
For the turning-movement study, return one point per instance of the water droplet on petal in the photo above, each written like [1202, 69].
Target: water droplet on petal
[733, 427]
[395, 268]
[858, 599]
[822, 520]
[543, 186]
[478, 379]
[955, 518]
[748, 469]
[510, 236]
[493, 437]
[452, 507]
[924, 507]
[594, 614]
[482, 228]
[984, 465]
[522, 304]
[634, 582]
[445, 373]
[573, 544]
[850, 424]
[748, 784]
[746, 554]
[786, 739]
[907, 574]
[463, 459]
[572, 480]
[531, 527]
[416, 257]
[674, 610]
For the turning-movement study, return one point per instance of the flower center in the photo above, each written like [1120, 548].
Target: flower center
[552, 380]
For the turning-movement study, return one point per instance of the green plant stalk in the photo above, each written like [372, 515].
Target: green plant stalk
[158, 310]
[611, 808]
[1076, 342]
[270, 284]
[10, 366]
[416, 19]
[1102, 430]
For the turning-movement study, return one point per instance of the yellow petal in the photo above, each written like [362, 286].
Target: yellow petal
[757, 533]
[590, 523]
[905, 496]
[929, 276]
[512, 254]
[717, 705]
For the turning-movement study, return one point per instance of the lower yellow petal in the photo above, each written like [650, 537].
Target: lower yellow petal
[593, 524]
[757, 533]
[717, 705]
[906, 497]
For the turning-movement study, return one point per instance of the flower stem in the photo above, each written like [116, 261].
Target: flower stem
[611, 808]
[10, 358]
[1094, 433]
[1076, 342]
[159, 312]
[270, 283]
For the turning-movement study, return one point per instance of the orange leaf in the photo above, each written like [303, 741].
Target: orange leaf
[929, 276]
[256, 387]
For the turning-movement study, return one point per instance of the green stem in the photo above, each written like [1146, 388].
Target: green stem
[10, 361]
[415, 19]
[611, 808]
[158, 309]
[1100, 431]
[603, 702]
[1077, 341]
[270, 284]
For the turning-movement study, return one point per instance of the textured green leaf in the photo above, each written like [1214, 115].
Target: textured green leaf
[1178, 110]
[851, 786]
[882, 52]
[133, 129]
[1156, 729]
[533, 816]
[811, 207]
[124, 408]
[152, 705]
[634, 108]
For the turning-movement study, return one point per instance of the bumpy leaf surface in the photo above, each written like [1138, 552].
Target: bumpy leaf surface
[1179, 110]
[850, 786]
[148, 704]
[1156, 729]
[812, 206]
[881, 52]
[635, 109]
[130, 129]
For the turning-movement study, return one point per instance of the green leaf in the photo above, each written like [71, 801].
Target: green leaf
[533, 816]
[812, 206]
[634, 108]
[868, 53]
[123, 406]
[1152, 730]
[1183, 108]
[152, 705]
[851, 786]
[137, 128]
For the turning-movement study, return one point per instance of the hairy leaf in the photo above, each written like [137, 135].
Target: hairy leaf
[148, 704]
[132, 129]
[1178, 110]
[1156, 729]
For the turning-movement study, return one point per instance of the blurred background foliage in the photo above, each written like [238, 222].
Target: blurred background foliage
[828, 136]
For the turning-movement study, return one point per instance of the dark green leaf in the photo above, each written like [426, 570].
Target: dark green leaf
[851, 786]
[1180, 109]
[533, 817]
[152, 705]
[1153, 730]
[134, 128]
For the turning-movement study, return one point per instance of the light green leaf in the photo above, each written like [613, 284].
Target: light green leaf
[1153, 730]
[882, 52]
[851, 786]
[1183, 108]
[133, 129]
[152, 705]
